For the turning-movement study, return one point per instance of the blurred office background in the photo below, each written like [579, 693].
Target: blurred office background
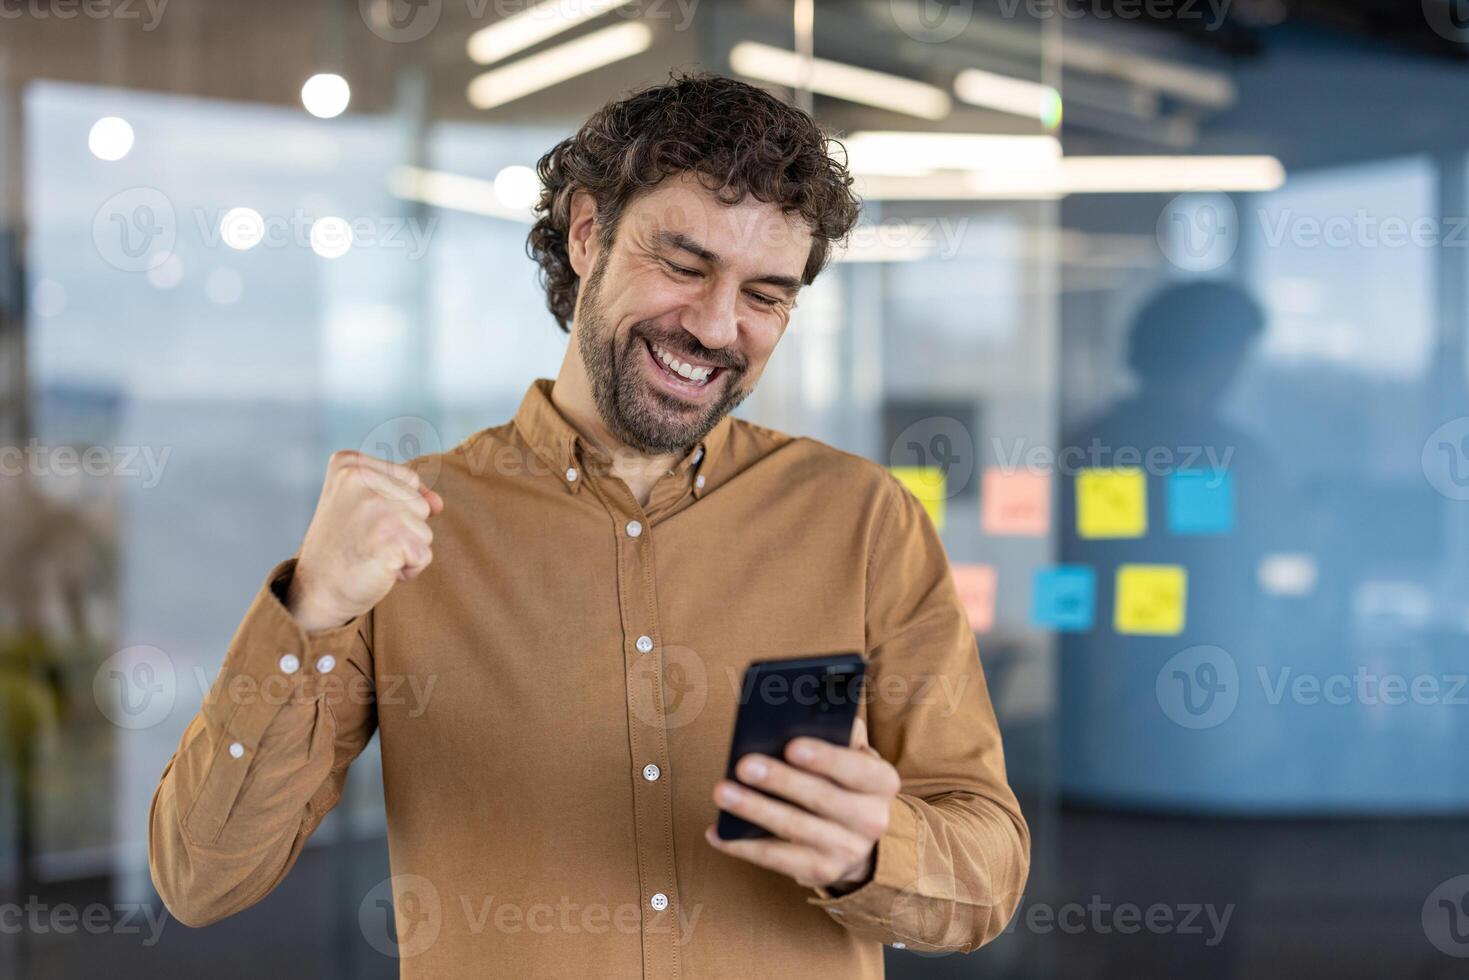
[1160, 307]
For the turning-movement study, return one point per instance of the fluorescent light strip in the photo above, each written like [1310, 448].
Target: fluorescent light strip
[555, 65]
[1015, 96]
[917, 153]
[454, 192]
[1162, 174]
[1205, 87]
[1084, 175]
[533, 25]
[840, 81]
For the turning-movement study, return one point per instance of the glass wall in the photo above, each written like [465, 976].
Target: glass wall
[214, 288]
[1159, 309]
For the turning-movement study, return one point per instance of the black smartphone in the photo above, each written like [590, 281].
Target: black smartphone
[783, 699]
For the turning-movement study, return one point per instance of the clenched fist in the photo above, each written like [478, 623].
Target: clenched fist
[370, 531]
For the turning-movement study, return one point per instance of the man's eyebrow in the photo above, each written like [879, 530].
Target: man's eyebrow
[678, 240]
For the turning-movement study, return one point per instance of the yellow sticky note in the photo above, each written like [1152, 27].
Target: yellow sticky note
[927, 483]
[1151, 599]
[1111, 503]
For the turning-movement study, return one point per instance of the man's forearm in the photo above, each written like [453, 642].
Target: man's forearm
[219, 841]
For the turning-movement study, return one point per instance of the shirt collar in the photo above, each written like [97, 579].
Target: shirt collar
[553, 439]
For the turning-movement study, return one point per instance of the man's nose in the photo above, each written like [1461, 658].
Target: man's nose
[713, 319]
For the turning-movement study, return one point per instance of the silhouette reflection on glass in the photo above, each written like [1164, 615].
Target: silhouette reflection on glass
[1178, 505]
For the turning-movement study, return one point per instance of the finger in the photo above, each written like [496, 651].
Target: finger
[435, 502]
[860, 740]
[416, 504]
[418, 528]
[786, 821]
[414, 555]
[396, 472]
[804, 864]
[854, 769]
[817, 794]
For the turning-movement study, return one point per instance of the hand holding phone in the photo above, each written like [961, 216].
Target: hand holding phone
[781, 700]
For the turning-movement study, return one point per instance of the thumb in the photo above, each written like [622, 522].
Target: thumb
[859, 739]
[435, 502]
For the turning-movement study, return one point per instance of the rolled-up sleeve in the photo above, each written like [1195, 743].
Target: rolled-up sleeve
[951, 868]
[263, 761]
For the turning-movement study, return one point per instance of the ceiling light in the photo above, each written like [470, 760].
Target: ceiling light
[840, 81]
[326, 96]
[555, 65]
[533, 25]
[1015, 96]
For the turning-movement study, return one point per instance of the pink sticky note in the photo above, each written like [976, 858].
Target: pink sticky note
[1015, 502]
[976, 585]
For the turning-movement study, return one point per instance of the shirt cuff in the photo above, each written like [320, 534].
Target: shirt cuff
[868, 909]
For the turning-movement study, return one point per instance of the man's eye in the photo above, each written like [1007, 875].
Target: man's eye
[763, 300]
[682, 271]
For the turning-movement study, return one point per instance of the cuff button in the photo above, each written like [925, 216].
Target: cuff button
[290, 663]
[326, 664]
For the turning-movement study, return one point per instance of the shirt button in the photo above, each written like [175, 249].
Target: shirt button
[651, 773]
[290, 663]
[634, 529]
[900, 945]
[699, 481]
[236, 750]
[571, 473]
[659, 902]
[326, 664]
[645, 644]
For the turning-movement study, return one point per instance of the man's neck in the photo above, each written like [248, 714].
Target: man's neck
[573, 398]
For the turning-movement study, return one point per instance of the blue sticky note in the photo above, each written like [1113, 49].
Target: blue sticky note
[1064, 598]
[1201, 502]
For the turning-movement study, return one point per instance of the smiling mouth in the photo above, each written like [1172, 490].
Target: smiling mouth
[679, 372]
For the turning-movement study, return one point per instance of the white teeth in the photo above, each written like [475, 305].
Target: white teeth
[695, 374]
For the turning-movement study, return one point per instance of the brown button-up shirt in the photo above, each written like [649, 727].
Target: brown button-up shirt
[555, 696]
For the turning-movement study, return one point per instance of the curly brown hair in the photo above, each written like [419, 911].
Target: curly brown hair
[739, 139]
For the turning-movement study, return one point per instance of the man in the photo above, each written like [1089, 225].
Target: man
[602, 569]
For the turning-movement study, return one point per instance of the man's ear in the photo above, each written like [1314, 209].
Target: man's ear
[581, 234]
